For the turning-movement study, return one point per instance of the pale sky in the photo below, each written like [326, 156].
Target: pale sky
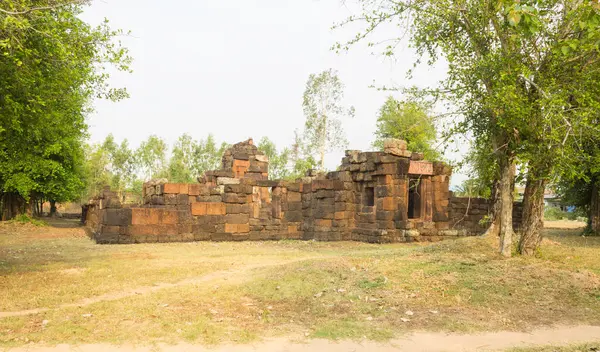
[238, 68]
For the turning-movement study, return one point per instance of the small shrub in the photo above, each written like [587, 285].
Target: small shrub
[553, 213]
[25, 219]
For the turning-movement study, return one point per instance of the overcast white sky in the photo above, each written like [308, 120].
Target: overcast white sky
[238, 68]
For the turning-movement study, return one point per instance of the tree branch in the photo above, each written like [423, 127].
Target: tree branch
[41, 8]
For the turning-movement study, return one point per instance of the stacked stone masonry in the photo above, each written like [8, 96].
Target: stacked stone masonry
[377, 197]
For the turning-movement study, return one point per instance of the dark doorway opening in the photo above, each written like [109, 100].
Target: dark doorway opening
[414, 198]
[369, 197]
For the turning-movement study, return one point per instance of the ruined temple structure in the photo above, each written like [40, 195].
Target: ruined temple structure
[378, 197]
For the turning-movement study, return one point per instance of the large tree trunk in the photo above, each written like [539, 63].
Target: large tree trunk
[12, 205]
[52, 208]
[494, 229]
[505, 191]
[595, 209]
[533, 212]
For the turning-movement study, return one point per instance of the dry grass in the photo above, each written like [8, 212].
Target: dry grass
[330, 290]
[592, 347]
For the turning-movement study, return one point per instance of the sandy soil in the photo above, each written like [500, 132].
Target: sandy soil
[564, 224]
[417, 342]
[236, 275]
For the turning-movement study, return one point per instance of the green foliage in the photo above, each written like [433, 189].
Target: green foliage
[122, 165]
[300, 157]
[25, 219]
[290, 163]
[110, 164]
[182, 160]
[522, 78]
[410, 121]
[52, 64]
[323, 109]
[278, 162]
[474, 188]
[554, 213]
[151, 157]
[190, 158]
[208, 154]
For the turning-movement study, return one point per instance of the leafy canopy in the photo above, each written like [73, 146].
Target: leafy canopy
[409, 121]
[52, 64]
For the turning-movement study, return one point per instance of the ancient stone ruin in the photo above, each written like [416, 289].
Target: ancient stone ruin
[378, 197]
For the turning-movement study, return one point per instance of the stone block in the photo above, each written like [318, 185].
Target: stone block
[259, 167]
[385, 215]
[213, 199]
[144, 216]
[294, 197]
[116, 217]
[294, 206]
[215, 208]
[157, 200]
[167, 217]
[237, 208]
[194, 189]
[383, 191]
[293, 216]
[171, 188]
[344, 196]
[320, 194]
[237, 218]
[323, 223]
[141, 230]
[237, 228]
[236, 198]
[389, 204]
[263, 158]
[183, 199]
[340, 223]
[293, 228]
[322, 184]
[239, 188]
[228, 181]
[171, 199]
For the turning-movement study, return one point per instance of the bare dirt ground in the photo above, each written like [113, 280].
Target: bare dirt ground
[61, 292]
[415, 342]
[564, 224]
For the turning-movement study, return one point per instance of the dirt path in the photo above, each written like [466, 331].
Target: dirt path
[238, 275]
[417, 342]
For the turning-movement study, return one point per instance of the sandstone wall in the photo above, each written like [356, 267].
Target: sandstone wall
[378, 197]
[470, 214]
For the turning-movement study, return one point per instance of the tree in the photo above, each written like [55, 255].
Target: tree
[52, 64]
[278, 162]
[207, 155]
[97, 173]
[300, 157]
[323, 110]
[582, 189]
[122, 164]
[152, 157]
[181, 164]
[111, 164]
[407, 120]
[522, 74]
[473, 188]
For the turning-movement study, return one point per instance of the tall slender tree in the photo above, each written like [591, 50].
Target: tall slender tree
[324, 110]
